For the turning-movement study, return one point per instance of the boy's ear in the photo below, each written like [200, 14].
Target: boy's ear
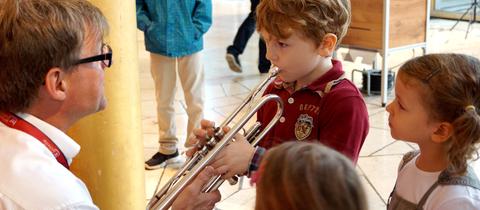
[442, 133]
[55, 84]
[328, 45]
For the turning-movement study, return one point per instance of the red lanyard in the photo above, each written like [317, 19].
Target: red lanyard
[13, 121]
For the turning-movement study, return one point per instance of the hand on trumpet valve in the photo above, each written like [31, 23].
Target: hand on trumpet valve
[200, 136]
[193, 198]
[234, 158]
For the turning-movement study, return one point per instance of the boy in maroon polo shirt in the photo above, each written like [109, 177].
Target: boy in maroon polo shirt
[320, 105]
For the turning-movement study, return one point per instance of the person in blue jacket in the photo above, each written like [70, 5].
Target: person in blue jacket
[174, 32]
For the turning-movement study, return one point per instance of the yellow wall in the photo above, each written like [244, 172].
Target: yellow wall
[111, 159]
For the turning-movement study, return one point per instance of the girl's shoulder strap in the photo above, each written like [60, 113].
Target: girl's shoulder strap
[407, 157]
[445, 178]
[469, 179]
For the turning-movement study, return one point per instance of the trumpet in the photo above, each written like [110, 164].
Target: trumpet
[164, 198]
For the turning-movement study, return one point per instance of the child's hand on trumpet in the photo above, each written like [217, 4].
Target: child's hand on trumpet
[200, 136]
[231, 160]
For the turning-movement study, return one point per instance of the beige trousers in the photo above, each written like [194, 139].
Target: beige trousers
[190, 73]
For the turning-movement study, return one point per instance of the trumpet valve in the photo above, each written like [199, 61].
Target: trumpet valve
[233, 180]
[211, 143]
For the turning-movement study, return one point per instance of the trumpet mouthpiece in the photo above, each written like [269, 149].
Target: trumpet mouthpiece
[274, 70]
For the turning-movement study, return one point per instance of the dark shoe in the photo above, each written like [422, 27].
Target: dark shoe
[233, 62]
[159, 160]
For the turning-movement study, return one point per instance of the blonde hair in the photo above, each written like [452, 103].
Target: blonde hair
[303, 176]
[449, 84]
[313, 18]
[37, 35]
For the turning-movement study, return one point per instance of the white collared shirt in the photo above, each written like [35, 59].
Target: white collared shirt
[31, 177]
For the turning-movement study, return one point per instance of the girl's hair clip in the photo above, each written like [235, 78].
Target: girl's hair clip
[428, 77]
[470, 107]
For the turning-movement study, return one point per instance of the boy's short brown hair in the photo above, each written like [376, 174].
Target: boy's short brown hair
[313, 18]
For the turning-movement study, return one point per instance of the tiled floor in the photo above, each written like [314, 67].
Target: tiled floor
[225, 89]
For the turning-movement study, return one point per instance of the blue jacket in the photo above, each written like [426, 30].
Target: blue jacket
[174, 28]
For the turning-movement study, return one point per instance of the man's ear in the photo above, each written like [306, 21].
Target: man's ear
[55, 84]
[442, 132]
[328, 45]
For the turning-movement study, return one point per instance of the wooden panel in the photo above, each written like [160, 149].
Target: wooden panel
[366, 27]
[407, 23]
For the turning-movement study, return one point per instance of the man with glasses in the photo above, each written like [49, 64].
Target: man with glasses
[52, 62]
[51, 75]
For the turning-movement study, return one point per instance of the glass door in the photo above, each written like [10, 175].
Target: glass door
[453, 9]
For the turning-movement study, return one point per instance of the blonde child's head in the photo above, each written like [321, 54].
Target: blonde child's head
[301, 175]
[312, 18]
[449, 89]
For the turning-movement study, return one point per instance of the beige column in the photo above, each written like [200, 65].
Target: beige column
[111, 159]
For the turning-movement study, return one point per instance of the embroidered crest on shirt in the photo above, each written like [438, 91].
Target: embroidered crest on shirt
[303, 127]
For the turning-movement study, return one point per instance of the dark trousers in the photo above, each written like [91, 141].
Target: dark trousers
[244, 33]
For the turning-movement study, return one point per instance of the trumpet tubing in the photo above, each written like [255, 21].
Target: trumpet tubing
[204, 155]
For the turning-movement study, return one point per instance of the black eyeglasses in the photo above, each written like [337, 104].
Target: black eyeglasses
[105, 57]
